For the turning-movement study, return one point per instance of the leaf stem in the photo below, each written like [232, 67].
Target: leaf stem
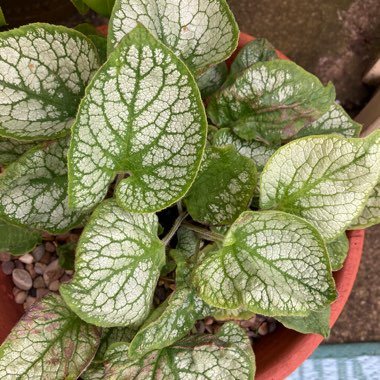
[203, 232]
[177, 223]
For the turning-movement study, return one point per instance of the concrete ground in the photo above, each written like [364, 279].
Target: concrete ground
[337, 40]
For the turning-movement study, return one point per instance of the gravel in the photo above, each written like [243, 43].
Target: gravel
[22, 279]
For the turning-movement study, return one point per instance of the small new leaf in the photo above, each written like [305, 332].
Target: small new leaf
[212, 79]
[117, 265]
[259, 50]
[255, 150]
[142, 115]
[49, 342]
[227, 355]
[317, 322]
[271, 263]
[33, 190]
[223, 188]
[324, 179]
[201, 32]
[44, 70]
[17, 240]
[270, 101]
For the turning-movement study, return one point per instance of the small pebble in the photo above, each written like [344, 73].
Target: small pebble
[46, 258]
[49, 247]
[5, 257]
[39, 282]
[21, 297]
[69, 272]
[21, 278]
[19, 264]
[40, 268]
[200, 326]
[54, 286]
[30, 269]
[263, 329]
[38, 252]
[26, 259]
[29, 302]
[53, 272]
[47, 236]
[16, 291]
[7, 267]
[65, 278]
[42, 292]
[209, 321]
[249, 323]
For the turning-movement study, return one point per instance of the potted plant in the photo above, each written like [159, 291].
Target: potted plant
[241, 205]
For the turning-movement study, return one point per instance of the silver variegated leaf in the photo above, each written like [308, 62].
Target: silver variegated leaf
[259, 50]
[223, 188]
[270, 101]
[324, 179]
[228, 355]
[255, 150]
[371, 213]
[142, 115]
[17, 240]
[338, 250]
[211, 80]
[335, 120]
[201, 32]
[271, 263]
[317, 322]
[117, 265]
[49, 342]
[44, 70]
[33, 190]
[11, 150]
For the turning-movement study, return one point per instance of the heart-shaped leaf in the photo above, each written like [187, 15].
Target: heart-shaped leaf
[271, 263]
[49, 342]
[44, 70]
[317, 322]
[259, 50]
[33, 190]
[335, 120]
[338, 250]
[201, 32]
[117, 265]
[212, 79]
[225, 356]
[371, 213]
[17, 240]
[11, 150]
[142, 114]
[255, 150]
[270, 101]
[223, 188]
[324, 179]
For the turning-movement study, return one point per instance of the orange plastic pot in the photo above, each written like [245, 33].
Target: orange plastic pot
[277, 354]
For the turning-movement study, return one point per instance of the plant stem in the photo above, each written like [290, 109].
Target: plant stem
[203, 233]
[173, 230]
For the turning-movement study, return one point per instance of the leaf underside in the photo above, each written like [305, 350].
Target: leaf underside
[17, 240]
[44, 70]
[49, 342]
[324, 179]
[142, 115]
[117, 265]
[204, 32]
[271, 263]
[338, 250]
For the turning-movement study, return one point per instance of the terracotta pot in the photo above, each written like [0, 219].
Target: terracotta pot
[277, 354]
[21, 12]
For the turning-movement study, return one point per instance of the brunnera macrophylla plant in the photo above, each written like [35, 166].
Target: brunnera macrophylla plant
[236, 183]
